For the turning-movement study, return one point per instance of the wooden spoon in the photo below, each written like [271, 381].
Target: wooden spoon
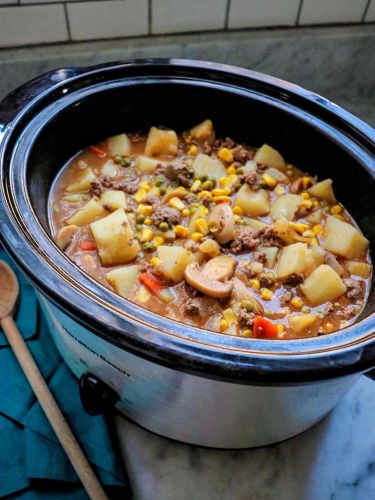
[8, 298]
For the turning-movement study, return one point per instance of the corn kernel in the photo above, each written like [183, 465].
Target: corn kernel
[181, 188]
[158, 240]
[201, 225]
[336, 209]
[224, 325]
[237, 210]
[140, 195]
[196, 236]
[266, 294]
[255, 284]
[300, 227]
[328, 327]
[314, 242]
[186, 212]
[155, 261]
[280, 328]
[181, 231]
[144, 209]
[221, 192]
[306, 204]
[306, 181]
[305, 196]
[226, 155]
[230, 316]
[146, 235]
[279, 190]
[270, 181]
[231, 170]
[246, 333]
[308, 234]
[195, 186]
[340, 217]
[222, 199]
[204, 194]
[316, 203]
[205, 210]
[148, 221]
[318, 229]
[193, 150]
[237, 218]
[145, 185]
[176, 203]
[296, 302]
[223, 181]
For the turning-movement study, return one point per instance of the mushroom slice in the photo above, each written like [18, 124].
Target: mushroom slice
[220, 268]
[206, 281]
[223, 215]
[65, 236]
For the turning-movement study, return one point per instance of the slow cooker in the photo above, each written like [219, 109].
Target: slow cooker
[182, 382]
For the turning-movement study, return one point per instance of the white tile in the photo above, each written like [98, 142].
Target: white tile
[108, 19]
[332, 11]
[32, 25]
[370, 16]
[8, 2]
[24, 2]
[172, 16]
[244, 13]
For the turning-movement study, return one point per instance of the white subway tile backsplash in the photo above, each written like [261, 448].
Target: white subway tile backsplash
[370, 16]
[108, 19]
[250, 13]
[31, 25]
[332, 11]
[25, 2]
[7, 2]
[172, 16]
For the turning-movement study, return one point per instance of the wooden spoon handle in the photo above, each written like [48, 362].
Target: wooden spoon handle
[52, 411]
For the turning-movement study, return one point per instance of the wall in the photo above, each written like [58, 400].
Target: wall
[31, 22]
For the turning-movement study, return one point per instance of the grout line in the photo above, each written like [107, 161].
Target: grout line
[299, 13]
[365, 11]
[67, 22]
[227, 11]
[149, 17]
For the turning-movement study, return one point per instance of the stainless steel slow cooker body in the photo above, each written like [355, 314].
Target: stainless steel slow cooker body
[188, 384]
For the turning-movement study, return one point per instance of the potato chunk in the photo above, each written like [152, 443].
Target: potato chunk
[203, 132]
[277, 175]
[174, 261]
[211, 167]
[83, 182]
[123, 279]
[286, 206]
[255, 223]
[113, 236]
[362, 269]
[323, 190]
[269, 156]
[271, 253]
[344, 239]
[301, 323]
[147, 165]
[88, 213]
[253, 202]
[113, 199]
[161, 142]
[323, 285]
[250, 166]
[315, 217]
[292, 260]
[119, 145]
[109, 169]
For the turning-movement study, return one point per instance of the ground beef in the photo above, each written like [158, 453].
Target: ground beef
[193, 308]
[225, 143]
[328, 308]
[266, 280]
[107, 182]
[285, 298]
[294, 279]
[166, 214]
[207, 148]
[127, 187]
[153, 199]
[247, 269]
[191, 198]
[353, 289]
[260, 257]
[241, 154]
[246, 238]
[246, 318]
[251, 178]
[135, 136]
[96, 188]
[261, 167]
[269, 238]
[180, 173]
[348, 311]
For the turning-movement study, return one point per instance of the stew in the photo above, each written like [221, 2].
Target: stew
[212, 233]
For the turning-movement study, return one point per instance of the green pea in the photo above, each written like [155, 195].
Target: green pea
[117, 159]
[237, 187]
[246, 304]
[139, 227]
[126, 162]
[162, 190]
[203, 178]
[239, 171]
[213, 180]
[148, 246]
[159, 182]
[208, 185]
[140, 218]
[164, 226]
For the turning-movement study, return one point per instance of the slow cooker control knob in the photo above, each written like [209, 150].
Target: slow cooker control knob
[96, 396]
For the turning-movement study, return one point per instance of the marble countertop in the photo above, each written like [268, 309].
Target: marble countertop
[334, 460]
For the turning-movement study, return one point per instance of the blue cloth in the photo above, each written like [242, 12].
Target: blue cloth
[32, 463]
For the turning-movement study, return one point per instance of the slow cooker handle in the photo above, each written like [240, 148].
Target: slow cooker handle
[370, 374]
[19, 98]
[96, 396]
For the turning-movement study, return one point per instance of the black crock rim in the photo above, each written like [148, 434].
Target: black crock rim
[161, 340]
